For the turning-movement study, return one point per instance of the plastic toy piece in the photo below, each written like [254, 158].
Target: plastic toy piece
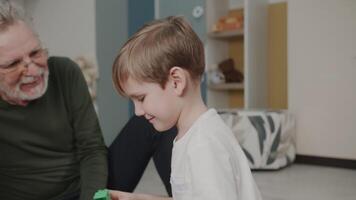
[102, 195]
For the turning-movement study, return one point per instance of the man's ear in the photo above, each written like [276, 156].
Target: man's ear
[178, 80]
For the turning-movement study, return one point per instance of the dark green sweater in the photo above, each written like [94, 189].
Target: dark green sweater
[53, 147]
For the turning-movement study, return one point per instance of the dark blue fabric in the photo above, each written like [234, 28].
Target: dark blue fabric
[131, 151]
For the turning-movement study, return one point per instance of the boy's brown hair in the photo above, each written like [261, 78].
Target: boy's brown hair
[157, 47]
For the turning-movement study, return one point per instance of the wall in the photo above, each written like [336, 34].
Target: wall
[66, 27]
[20, 2]
[111, 33]
[321, 76]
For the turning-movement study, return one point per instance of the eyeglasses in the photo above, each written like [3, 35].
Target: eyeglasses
[36, 56]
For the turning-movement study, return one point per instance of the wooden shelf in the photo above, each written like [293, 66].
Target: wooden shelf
[226, 86]
[227, 34]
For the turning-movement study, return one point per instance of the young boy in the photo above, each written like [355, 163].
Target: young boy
[160, 69]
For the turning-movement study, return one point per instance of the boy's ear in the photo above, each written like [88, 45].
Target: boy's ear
[177, 80]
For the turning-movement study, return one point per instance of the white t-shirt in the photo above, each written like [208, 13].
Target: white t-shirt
[208, 163]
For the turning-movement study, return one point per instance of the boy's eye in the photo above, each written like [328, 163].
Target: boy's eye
[141, 99]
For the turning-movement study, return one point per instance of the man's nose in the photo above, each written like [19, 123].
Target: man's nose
[27, 61]
[31, 67]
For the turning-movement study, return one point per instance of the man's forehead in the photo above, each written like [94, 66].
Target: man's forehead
[17, 40]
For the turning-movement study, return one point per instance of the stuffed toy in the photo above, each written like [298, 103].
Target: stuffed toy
[231, 74]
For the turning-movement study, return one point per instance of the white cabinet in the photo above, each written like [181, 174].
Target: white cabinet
[252, 93]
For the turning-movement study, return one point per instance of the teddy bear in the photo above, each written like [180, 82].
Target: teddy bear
[231, 74]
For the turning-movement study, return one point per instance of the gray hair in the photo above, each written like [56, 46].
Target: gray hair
[10, 12]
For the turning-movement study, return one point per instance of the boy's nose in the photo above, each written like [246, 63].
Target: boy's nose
[138, 110]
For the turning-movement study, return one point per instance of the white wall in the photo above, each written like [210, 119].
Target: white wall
[66, 27]
[321, 74]
[20, 2]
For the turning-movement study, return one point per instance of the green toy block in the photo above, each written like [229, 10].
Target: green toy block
[102, 195]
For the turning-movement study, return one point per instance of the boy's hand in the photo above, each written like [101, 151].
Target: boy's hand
[118, 195]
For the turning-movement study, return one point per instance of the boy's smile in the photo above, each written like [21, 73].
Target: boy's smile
[149, 118]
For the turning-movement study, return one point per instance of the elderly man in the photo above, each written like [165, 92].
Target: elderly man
[51, 146]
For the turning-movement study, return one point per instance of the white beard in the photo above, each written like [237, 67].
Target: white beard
[35, 93]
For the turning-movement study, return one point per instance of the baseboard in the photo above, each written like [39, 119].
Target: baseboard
[325, 161]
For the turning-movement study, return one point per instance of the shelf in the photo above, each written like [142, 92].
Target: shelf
[227, 34]
[226, 86]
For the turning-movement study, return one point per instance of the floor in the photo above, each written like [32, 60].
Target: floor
[297, 182]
